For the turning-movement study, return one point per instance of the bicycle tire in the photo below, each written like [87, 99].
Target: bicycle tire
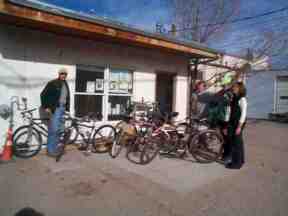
[22, 149]
[151, 148]
[134, 150]
[103, 138]
[117, 145]
[73, 136]
[64, 138]
[200, 148]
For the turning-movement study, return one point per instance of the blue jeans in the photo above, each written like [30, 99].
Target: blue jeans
[54, 129]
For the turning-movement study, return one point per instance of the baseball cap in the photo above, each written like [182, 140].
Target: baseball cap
[63, 70]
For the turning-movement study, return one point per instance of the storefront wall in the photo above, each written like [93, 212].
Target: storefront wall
[29, 59]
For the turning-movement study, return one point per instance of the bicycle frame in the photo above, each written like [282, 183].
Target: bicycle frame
[39, 126]
[85, 138]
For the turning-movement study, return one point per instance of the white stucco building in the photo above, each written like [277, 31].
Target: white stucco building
[108, 63]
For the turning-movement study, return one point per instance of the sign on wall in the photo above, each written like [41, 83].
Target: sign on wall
[90, 86]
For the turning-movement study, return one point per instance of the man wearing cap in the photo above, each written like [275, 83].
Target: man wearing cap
[55, 100]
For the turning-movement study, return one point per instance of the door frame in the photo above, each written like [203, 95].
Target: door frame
[276, 93]
[172, 75]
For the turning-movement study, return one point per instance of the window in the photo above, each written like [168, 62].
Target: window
[120, 81]
[117, 106]
[104, 90]
[120, 92]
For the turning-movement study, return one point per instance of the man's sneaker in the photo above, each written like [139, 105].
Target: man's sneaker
[227, 160]
[52, 154]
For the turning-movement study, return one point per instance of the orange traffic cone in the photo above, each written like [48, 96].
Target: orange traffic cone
[7, 152]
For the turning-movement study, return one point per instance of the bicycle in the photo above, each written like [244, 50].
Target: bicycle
[100, 138]
[28, 139]
[169, 139]
[131, 130]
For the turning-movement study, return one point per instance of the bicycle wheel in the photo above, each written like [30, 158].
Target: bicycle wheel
[118, 143]
[151, 149]
[134, 149]
[64, 138]
[103, 138]
[206, 146]
[27, 142]
[73, 136]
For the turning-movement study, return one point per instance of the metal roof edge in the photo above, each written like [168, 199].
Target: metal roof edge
[56, 10]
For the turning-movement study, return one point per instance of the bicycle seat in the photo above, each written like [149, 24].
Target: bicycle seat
[91, 116]
[96, 116]
[173, 114]
[155, 115]
[170, 115]
[126, 118]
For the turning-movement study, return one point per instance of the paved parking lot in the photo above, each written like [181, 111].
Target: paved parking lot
[99, 185]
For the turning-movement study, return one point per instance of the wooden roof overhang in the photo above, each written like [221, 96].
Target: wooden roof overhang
[15, 13]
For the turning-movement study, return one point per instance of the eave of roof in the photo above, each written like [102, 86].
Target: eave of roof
[37, 11]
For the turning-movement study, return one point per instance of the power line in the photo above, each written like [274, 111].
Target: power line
[266, 25]
[252, 41]
[248, 33]
[270, 20]
[250, 38]
[238, 20]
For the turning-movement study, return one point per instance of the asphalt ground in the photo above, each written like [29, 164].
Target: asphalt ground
[98, 185]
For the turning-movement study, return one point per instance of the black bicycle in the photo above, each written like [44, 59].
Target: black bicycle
[29, 139]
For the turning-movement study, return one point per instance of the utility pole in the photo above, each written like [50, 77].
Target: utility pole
[195, 21]
[173, 30]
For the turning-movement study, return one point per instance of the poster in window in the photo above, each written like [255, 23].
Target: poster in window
[113, 85]
[124, 80]
[114, 79]
[124, 85]
[99, 84]
[90, 86]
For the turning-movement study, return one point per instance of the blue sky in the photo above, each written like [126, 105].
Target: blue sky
[145, 13]
[140, 13]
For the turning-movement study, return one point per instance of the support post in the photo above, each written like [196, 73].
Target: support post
[192, 82]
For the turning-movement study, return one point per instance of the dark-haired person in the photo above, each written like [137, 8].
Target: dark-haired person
[28, 212]
[236, 124]
[55, 100]
[201, 98]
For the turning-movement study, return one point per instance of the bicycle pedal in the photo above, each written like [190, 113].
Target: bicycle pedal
[83, 148]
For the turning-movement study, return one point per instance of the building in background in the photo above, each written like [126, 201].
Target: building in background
[267, 93]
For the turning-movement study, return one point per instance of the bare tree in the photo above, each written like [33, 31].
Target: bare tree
[270, 47]
[208, 20]
[200, 20]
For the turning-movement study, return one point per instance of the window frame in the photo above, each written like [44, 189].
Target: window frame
[106, 85]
